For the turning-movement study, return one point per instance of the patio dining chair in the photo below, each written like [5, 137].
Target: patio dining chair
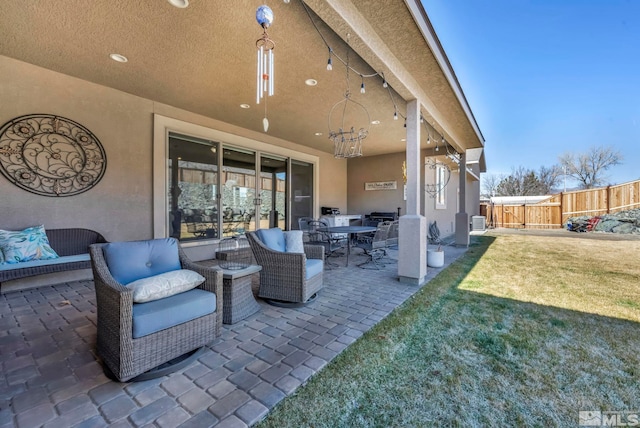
[392, 235]
[375, 247]
[308, 231]
[333, 244]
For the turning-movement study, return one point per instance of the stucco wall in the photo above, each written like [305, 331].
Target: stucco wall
[389, 168]
[120, 206]
[372, 169]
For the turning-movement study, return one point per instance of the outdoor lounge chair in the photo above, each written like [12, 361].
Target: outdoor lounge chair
[144, 331]
[286, 278]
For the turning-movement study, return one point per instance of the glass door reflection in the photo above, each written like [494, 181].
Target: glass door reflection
[273, 192]
[238, 191]
[302, 191]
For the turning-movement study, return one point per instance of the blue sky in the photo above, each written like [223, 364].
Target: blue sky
[545, 77]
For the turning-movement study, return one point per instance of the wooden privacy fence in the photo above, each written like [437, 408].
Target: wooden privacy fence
[555, 211]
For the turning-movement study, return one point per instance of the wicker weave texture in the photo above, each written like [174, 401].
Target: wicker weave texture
[238, 302]
[127, 357]
[283, 274]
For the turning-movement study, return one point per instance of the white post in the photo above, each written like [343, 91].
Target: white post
[412, 236]
[462, 218]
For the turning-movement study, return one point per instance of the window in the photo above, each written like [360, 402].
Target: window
[441, 185]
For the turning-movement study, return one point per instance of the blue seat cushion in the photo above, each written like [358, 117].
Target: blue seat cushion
[314, 267]
[173, 310]
[133, 260]
[272, 238]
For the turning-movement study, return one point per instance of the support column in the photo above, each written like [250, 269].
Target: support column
[462, 218]
[412, 236]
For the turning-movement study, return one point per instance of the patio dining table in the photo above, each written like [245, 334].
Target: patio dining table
[351, 230]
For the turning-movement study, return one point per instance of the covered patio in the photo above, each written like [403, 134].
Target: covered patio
[190, 79]
[51, 376]
[183, 109]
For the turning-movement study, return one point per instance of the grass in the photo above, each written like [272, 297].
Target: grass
[521, 331]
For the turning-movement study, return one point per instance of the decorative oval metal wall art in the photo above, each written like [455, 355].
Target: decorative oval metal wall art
[50, 155]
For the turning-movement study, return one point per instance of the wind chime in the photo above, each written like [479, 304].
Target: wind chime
[264, 77]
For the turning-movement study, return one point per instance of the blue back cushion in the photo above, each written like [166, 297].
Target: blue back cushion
[133, 260]
[272, 238]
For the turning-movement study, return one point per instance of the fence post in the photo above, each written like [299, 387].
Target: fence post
[524, 215]
[608, 199]
[561, 209]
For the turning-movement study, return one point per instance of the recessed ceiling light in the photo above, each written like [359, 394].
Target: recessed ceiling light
[403, 139]
[179, 3]
[311, 82]
[245, 106]
[317, 134]
[118, 58]
[375, 122]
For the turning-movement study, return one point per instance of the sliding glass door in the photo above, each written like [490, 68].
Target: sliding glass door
[239, 203]
[273, 194]
[301, 191]
[193, 190]
[217, 190]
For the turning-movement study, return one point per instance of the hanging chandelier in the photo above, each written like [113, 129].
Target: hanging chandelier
[264, 75]
[347, 140]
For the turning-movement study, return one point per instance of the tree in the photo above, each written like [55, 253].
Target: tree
[490, 184]
[549, 178]
[588, 168]
[526, 182]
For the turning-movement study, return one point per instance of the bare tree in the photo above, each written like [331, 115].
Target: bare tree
[490, 183]
[549, 178]
[588, 168]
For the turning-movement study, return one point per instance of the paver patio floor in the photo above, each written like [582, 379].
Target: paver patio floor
[51, 376]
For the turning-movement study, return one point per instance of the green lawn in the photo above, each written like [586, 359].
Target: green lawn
[521, 331]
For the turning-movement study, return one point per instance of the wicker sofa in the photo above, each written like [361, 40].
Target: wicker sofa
[72, 245]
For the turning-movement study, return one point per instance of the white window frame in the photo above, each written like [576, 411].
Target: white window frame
[441, 196]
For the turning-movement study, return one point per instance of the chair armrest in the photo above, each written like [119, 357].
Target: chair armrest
[272, 257]
[212, 274]
[212, 278]
[314, 251]
[113, 300]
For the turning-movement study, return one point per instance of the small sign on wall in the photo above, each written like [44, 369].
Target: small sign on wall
[381, 185]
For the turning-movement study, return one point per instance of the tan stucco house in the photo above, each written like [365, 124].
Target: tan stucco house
[183, 135]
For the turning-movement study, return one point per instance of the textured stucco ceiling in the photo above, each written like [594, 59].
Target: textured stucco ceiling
[202, 59]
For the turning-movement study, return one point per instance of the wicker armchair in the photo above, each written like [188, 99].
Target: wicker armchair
[128, 358]
[283, 275]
